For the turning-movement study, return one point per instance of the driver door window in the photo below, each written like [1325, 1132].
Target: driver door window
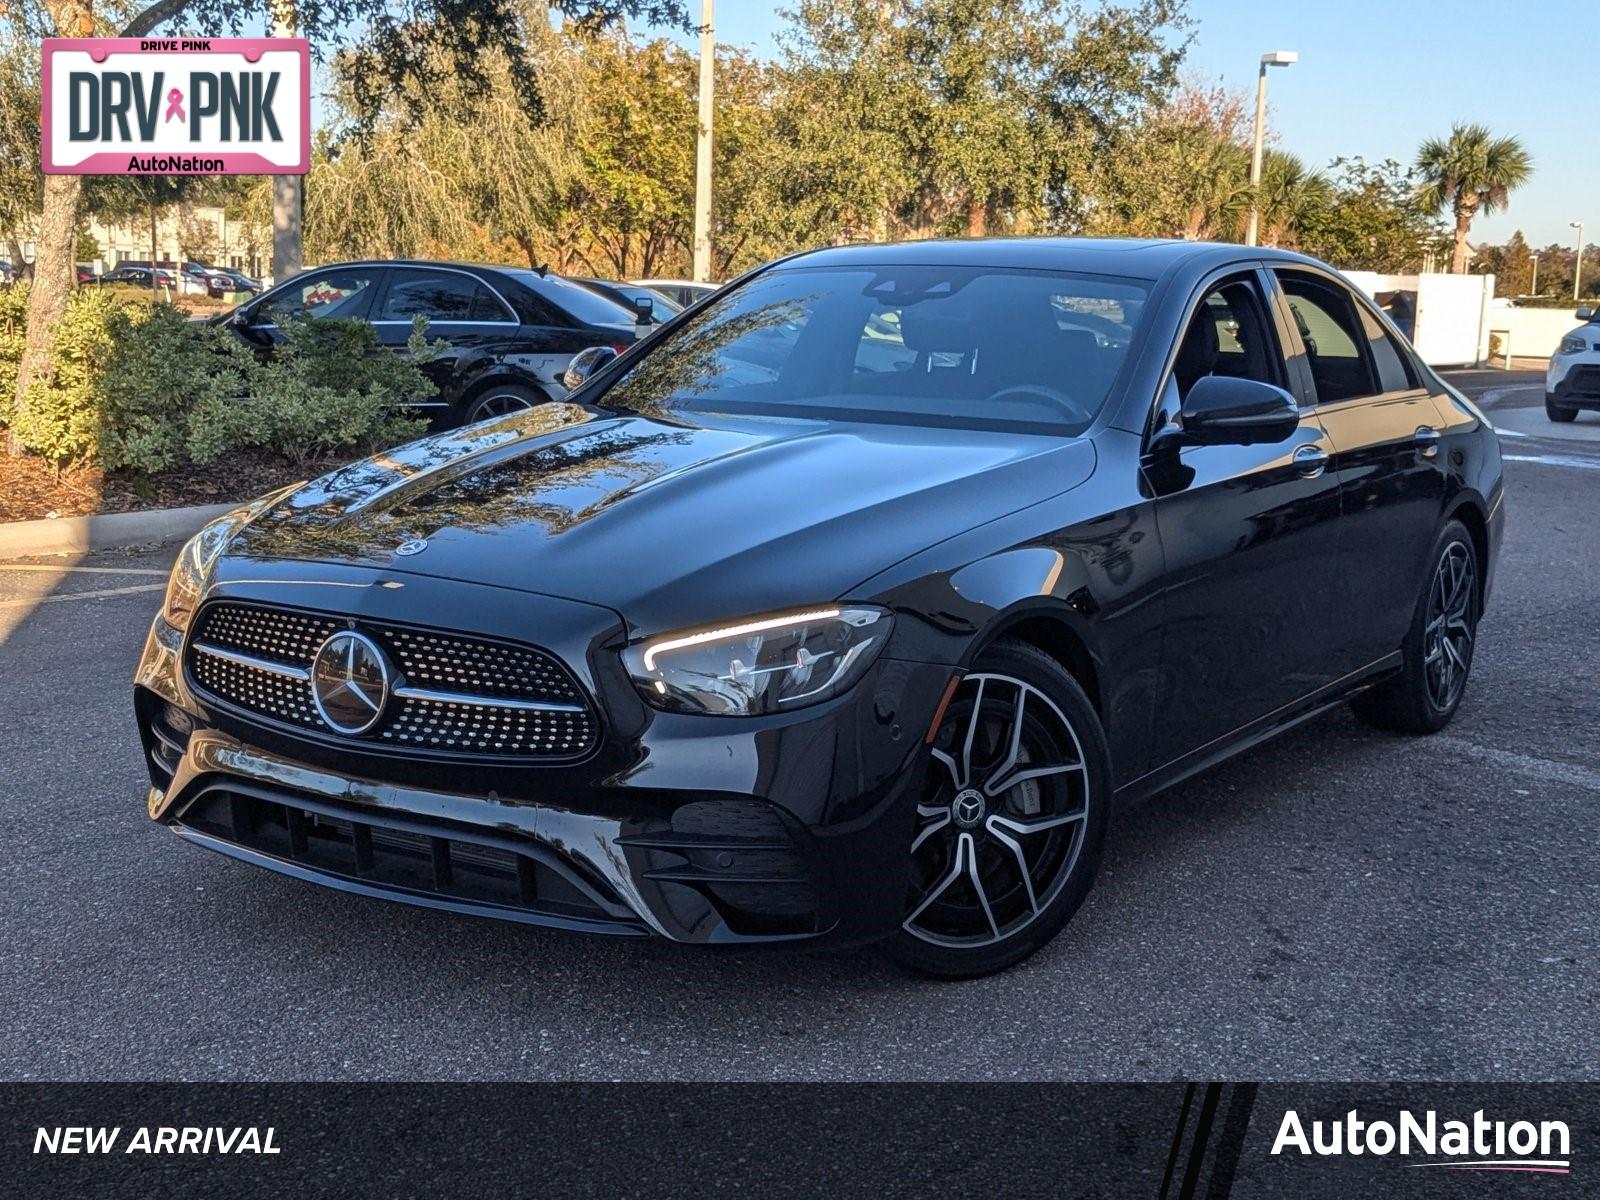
[1228, 335]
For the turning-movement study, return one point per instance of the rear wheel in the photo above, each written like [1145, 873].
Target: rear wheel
[1438, 649]
[1558, 413]
[1011, 821]
[500, 399]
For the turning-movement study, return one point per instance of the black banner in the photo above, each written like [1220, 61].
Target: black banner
[1171, 1141]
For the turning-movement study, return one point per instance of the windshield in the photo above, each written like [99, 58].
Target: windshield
[975, 347]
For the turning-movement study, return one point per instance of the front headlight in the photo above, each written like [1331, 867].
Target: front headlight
[1572, 344]
[192, 571]
[763, 665]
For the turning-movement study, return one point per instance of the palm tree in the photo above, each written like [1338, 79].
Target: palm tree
[1291, 199]
[1469, 172]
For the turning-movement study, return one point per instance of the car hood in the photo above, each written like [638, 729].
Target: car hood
[669, 522]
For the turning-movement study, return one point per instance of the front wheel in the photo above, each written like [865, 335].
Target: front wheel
[1438, 648]
[1558, 413]
[1012, 818]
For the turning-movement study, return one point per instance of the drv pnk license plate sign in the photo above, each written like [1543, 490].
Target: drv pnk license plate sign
[176, 106]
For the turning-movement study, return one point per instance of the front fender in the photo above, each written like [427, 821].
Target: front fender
[1066, 573]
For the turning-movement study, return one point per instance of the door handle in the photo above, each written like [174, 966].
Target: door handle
[1427, 439]
[1310, 460]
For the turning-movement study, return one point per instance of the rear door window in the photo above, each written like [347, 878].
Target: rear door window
[438, 296]
[1338, 350]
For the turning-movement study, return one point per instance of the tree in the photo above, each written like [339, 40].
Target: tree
[1292, 199]
[1469, 172]
[961, 116]
[415, 44]
[1373, 221]
[1511, 265]
[21, 181]
[1183, 172]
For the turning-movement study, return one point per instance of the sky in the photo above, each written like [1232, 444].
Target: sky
[1376, 77]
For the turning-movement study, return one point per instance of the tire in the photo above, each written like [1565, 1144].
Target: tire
[1557, 413]
[1439, 646]
[500, 399]
[993, 881]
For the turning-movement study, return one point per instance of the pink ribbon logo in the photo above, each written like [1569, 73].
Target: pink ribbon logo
[175, 105]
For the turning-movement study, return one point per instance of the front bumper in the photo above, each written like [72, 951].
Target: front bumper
[1574, 381]
[699, 829]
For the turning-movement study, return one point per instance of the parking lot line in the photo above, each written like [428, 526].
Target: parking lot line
[97, 594]
[1555, 460]
[1549, 769]
[63, 570]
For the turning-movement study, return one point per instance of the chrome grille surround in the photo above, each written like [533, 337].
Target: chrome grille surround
[456, 694]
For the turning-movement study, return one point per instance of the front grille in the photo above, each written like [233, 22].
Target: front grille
[1584, 380]
[451, 693]
[426, 862]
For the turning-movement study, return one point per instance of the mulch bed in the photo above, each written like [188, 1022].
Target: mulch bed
[30, 488]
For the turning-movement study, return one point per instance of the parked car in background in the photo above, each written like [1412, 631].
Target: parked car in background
[628, 296]
[511, 331]
[137, 276]
[85, 273]
[682, 292]
[237, 281]
[7, 273]
[1572, 380]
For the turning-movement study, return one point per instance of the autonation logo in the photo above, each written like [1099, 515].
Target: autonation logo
[1480, 1144]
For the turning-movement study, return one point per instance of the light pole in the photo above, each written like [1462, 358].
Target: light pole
[1273, 58]
[702, 149]
[1577, 267]
[1533, 288]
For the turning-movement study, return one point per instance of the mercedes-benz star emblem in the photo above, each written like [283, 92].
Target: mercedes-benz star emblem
[411, 546]
[968, 808]
[350, 682]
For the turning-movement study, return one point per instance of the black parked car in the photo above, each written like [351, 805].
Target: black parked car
[630, 296]
[860, 640]
[512, 332]
[135, 276]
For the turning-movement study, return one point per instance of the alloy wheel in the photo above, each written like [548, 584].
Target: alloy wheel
[1451, 623]
[1003, 817]
[498, 404]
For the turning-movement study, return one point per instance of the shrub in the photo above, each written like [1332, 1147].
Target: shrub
[62, 417]
[164, 369]
[145, 388]
[13, 333]
[330, 386]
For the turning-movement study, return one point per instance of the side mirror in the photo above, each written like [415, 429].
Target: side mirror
[1223, 410]
[585, 365]
[1584, 314]
[644, 310]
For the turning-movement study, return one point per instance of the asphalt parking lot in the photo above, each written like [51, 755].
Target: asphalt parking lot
[1339, 904]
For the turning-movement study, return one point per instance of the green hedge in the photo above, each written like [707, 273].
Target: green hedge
[145, 388]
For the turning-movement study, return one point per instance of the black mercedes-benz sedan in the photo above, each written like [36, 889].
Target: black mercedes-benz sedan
[842, 609]
[510, 332]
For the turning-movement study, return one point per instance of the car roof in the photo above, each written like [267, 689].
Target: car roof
[1136, 257]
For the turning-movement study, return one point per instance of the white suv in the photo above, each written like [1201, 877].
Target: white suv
[1572, 381]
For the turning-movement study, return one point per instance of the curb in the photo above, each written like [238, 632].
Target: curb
[104, 531]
